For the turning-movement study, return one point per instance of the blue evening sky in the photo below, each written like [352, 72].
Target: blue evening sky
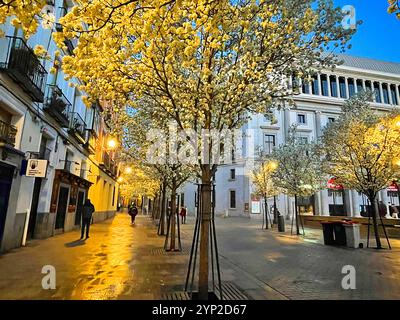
[378, 36]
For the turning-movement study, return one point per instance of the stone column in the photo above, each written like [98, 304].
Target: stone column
[346, 83]
[355, 85]
[318, 127]
[318, 204]
[319, 84]
[348, 203]
[389, 93]
[355, 203]
[385, 199]
[324, 203]
[381, 92]
[328, 81]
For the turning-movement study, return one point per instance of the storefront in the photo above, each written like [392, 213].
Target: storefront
[68, 196]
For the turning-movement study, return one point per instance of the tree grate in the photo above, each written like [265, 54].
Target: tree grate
[229, 292]
[162, 252]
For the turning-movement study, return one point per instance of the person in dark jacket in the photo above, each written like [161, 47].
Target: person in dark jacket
[133, 211]
[87, 213]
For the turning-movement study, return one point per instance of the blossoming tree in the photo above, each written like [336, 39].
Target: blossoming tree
[299, 168]
[205, 64]
[362, 149]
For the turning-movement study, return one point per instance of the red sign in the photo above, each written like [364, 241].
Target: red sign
[333, 185]
[393, 187]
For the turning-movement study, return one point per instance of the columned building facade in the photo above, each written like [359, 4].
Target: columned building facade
[318, 104]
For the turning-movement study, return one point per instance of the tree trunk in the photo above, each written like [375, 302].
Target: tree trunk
[266, 211]
[297, 215]
[204, 231]
[173, 218]
[375, 214]
[162, 208]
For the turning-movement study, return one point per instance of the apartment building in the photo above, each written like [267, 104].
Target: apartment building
[53, 148]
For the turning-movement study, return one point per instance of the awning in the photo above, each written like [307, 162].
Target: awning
[333, 185]
[393, 187]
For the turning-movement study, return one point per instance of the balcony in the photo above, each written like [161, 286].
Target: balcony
[106, 160]
[77, 127]
[57, 105]
[90, 143]
[21, 64]
[7, 133]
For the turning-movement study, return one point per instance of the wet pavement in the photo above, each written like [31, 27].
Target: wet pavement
[123, 261]
[118, 261]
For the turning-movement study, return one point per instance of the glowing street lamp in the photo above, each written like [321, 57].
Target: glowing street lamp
[112, 143]
[128, 170]
[120, 180]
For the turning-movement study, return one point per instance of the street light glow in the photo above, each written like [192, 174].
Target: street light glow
[273, 165]
[128, 170]
[112, 143]
[120, 179]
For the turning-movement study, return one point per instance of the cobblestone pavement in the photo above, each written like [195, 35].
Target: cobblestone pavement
[302, 267]
[121, 261]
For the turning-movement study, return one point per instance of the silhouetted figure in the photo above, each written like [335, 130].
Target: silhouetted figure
[133, 211]
[183, 214]
[87, 213]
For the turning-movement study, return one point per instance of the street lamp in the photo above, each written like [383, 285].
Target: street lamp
[112, 143]
[128, 170]
[120, 180]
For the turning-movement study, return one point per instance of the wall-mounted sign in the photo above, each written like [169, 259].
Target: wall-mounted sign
[36, 168]
[255, 207]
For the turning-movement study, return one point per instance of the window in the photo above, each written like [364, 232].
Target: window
[393, 94]
[331, 120]
[113, 197]
[232, 199]
[334, 88]
[182, 199]
[377, 93]
[352, 88]
[233, 174]
[342, 87]
[315, 87]
[305, 86]
[324, 84]
[303, 140]
[360, 87]
[337, 193]
[368, 87]
[269, 143]
[301, 118]
[385, 92]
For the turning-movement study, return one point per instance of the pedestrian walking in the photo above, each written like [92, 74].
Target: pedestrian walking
[87, 214]
[183, 214]
[394, 211]
[133, 211]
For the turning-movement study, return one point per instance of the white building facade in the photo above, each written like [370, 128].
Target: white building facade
[43, 117]
[318, 104]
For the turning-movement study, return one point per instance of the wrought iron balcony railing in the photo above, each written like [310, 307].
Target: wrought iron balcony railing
[57, 105]
[106, 160]
[90, 143]
[7, 133]
[22, 65]
[77, 126]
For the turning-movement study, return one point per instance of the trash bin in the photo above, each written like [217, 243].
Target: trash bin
[327, 228]
[352, 230]
[281, 223]
[339, 233]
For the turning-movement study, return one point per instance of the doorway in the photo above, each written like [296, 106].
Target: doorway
[62, 207]
[34, 207]
[6, 176]
[79, 206]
